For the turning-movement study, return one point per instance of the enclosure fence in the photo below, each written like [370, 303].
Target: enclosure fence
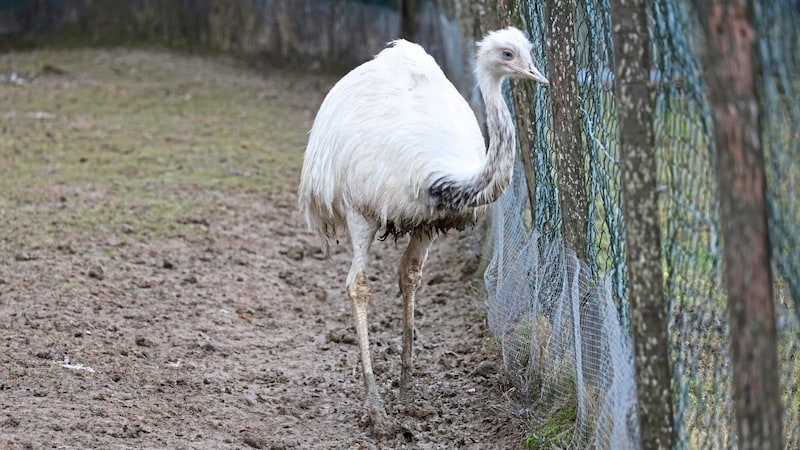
[562, 323]
[779, 36]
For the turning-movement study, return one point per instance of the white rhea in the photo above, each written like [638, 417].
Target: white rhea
[396, 148]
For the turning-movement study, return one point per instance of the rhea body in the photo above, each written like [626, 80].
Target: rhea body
[395, 148]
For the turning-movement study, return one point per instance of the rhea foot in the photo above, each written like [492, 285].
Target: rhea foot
[375, 416]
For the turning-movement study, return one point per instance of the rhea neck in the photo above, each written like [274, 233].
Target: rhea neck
[499, 164]
[492, 179]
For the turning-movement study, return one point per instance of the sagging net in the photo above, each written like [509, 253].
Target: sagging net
[559, 333]
[563, 324]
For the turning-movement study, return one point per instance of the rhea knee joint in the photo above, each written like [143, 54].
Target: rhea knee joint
[359, 287]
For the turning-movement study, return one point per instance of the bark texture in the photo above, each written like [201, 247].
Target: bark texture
[730, 68]
[642, 227]
[560, 18]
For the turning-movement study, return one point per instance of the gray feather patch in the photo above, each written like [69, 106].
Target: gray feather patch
[448, 193]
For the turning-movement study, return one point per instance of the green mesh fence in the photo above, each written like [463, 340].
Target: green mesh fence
[778, 28]
[690, 235]
[546, 212]
[569, 379]
[604, 228]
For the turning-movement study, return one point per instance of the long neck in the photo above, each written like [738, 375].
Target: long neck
[496, 173]
[487, 185]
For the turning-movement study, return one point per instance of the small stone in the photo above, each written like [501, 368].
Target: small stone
[483, 369]
[437, 279]
[294, 253]
[132, 430]
[24, 257]
[66, 248]
[256, 442]
[195, 220]
[341, 337]
[142, 341]
[212, 345]
[144, 284]
[291, 278]
[96, 272]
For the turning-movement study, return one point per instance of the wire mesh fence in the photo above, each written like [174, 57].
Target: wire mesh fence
[690, 233]
[571, 365]
[779, 51]
[569, 361]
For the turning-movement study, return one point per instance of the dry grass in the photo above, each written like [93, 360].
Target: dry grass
[95, 139]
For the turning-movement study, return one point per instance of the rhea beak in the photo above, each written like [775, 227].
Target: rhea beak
[530, 72]
[534, 74]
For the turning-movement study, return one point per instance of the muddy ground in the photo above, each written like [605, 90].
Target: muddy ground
[158, 288]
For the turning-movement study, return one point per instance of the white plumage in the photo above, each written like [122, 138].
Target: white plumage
[395, 147]
[378, 141]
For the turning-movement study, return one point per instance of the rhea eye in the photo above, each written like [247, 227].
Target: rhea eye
[507, 55]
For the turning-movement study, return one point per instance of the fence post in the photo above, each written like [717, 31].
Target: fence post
[730, 68]
[563, 76]
[642, 226]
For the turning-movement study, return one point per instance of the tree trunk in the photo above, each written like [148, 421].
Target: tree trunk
[408, 20]
[485, 16]
[642, 225]
[730, 67]
[560, 26]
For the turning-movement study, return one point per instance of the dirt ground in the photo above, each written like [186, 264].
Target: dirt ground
[179, 313]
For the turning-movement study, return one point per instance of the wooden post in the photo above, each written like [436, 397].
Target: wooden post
[730, 67]
[560, 29]
[642, 226]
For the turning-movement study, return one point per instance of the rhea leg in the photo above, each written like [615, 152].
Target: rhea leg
[410, 280]
[362, 233]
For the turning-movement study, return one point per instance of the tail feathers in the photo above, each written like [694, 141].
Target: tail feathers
[448, 193]
[325, 225]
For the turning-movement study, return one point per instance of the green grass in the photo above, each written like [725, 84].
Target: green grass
[556, 431]
[136, 138]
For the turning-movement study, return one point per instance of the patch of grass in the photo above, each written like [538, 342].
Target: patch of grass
[96, 139]
[556, 431]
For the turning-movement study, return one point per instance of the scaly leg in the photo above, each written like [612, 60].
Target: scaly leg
[410, 279]
[362, 233]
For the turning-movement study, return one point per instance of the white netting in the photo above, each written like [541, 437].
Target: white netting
[559, 334]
